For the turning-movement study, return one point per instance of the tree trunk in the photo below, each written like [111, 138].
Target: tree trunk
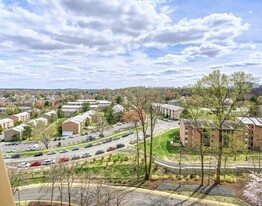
[145, 155]
[137, 155]
[219, 159]
[151, 142]
[202, 159]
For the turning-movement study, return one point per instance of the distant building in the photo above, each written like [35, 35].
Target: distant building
[76, 124]
[48, 115]
[90, 101]
[6, 123]
[75, 103]
[170, 111]
[103, 103]
[70, 112]
[20, 117]
[34, 121]
[78, 107]
[14, 132]
[118, 108]
[175, 102]
[190, 135]
[255, 131]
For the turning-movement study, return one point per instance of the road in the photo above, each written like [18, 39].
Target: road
[135, 197]
[160, 127]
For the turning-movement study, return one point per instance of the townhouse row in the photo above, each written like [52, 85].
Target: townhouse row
[17, 131]
[76, 124]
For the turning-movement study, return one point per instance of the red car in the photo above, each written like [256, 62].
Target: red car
[64, 159]
[110, 149]
[37, 163]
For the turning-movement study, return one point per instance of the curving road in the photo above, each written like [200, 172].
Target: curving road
[134, 197]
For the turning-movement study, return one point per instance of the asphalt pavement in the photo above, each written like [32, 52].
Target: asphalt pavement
[133, 198]
[159, 128]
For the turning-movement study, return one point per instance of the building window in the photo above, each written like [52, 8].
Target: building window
[206, 138]
[226, 139]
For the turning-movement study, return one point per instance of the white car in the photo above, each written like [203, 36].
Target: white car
[24, 165]
[33, 147]
[7, 156]
[49, 162]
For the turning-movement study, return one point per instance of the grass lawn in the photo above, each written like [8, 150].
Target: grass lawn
[115, 166]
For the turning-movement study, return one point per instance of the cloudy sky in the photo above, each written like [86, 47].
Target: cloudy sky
[113, 44]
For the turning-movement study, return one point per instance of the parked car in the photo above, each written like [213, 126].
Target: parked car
[89, 145]
[117, 138]
[110, 149]
[49, 162]
[90, 138]
[86, 133]
[107, 140]
[130, 132]
[55, 139]
[71, 136]
[125, 135]
[12, 150]
[24, 165]
[98, 143]
[120, 145]
[38, 154]
[37, 163]
[7, 156]
[101, 135]
[82, 134]
[15, 156]
[59, 138]
[133, 141]
[119, 124]
[86, 155]
[59, 144]
[75, 148]
[100, 152]
[63, 138]
[64, 159]
[64, 151]
[51, 152]
[75, 157]
[33, 147]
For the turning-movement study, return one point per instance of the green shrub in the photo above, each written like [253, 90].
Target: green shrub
[188, 177]
[154, 177]
[197, 177]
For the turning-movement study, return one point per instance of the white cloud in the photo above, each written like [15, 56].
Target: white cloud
[89, 41]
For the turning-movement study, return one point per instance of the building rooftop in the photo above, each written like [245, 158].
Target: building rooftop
[227, 125]
[6, 120]
[21, 114]
[251, 120]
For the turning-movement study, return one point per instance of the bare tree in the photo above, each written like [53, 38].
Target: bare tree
[44, 133]
[101, 124]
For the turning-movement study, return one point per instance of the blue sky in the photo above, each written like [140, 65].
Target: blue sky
[121, 43]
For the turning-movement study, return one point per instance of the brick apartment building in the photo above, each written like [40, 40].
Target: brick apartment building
[76, 124]
[48, 115]
[6, 123]
[190, 135]
[255, 131]
[20, 117]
